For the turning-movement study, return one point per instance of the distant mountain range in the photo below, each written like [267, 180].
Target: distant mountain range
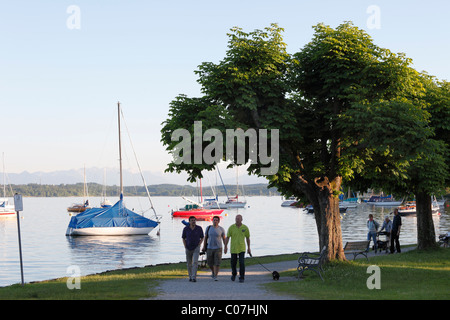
[111, 177]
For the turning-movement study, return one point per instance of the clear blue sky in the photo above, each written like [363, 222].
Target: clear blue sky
[59, 86]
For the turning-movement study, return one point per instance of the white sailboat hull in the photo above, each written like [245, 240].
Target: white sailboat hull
[108, 231]
[234, 205]
[386, 203]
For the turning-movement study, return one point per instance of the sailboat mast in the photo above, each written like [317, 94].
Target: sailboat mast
[120, 151]
[4, 177]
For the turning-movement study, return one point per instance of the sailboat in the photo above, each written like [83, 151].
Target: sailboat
[80, 207]
[105, 202]
[6, 209]
[234, 202]
[115, 220]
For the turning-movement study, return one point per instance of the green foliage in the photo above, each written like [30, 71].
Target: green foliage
[347, 111]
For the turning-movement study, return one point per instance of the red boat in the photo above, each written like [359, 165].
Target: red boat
[196, 209]
[198, 212]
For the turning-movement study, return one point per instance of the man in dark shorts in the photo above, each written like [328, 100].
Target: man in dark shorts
[214, 237]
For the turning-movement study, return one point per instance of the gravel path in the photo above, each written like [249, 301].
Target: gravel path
[224, 289]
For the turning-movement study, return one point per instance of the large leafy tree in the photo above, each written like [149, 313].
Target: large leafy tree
[430, 172]
[329, 101]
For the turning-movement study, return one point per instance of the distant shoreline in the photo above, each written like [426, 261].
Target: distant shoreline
[161, 190]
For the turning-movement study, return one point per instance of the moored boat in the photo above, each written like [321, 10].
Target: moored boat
[114, 220]
[110, 221]
[78, 207]
[290, 202]
[6, 209]
[388, 201]
[198, 212]
[310, 209]
[409, 208]
[233, 202]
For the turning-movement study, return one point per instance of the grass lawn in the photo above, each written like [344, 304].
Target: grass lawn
[418, 275]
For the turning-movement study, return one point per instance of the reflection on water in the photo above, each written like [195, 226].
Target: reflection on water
[111, 252]
[47, 252]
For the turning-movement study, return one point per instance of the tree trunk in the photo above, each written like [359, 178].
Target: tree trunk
[329, 229]
[326, 212]
[426, 236]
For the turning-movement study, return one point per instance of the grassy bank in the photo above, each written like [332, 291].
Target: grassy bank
[410, 275]
[417, 275]
[127, 284]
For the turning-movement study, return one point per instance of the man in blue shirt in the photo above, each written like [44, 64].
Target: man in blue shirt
[192, 238]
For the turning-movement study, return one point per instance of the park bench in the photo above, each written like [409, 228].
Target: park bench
[311, 261]
[357, 247]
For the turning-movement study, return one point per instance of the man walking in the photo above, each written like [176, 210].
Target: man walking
[192, 238]
[238, 232]
[214, 237]
[395, 232]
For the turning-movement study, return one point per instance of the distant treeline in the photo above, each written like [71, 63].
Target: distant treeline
[96, 190]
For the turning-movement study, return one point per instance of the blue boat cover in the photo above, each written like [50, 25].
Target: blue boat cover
[116, 216]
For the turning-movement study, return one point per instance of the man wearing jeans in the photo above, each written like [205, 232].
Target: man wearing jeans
[238, 232]
[192, 238]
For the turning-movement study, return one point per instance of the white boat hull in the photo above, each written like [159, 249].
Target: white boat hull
[289, 203]
[386, 203]
[235, 205]
[407, 212]
[108, 231]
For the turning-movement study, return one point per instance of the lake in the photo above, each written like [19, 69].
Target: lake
[48, 253]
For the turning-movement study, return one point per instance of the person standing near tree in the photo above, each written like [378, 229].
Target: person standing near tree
[192, 239]
[372, 226]
[395, 232]
[238, 232]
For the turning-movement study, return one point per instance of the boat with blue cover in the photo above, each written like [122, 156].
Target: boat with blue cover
[114, 220]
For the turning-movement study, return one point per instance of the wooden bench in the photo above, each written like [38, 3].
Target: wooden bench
[311, 261]
[357, 247]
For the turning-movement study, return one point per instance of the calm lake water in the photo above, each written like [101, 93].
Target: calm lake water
[47, 252]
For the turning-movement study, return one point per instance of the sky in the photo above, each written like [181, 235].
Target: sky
[63, 70]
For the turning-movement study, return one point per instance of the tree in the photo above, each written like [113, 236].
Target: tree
[338, 79]
[431, 170]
